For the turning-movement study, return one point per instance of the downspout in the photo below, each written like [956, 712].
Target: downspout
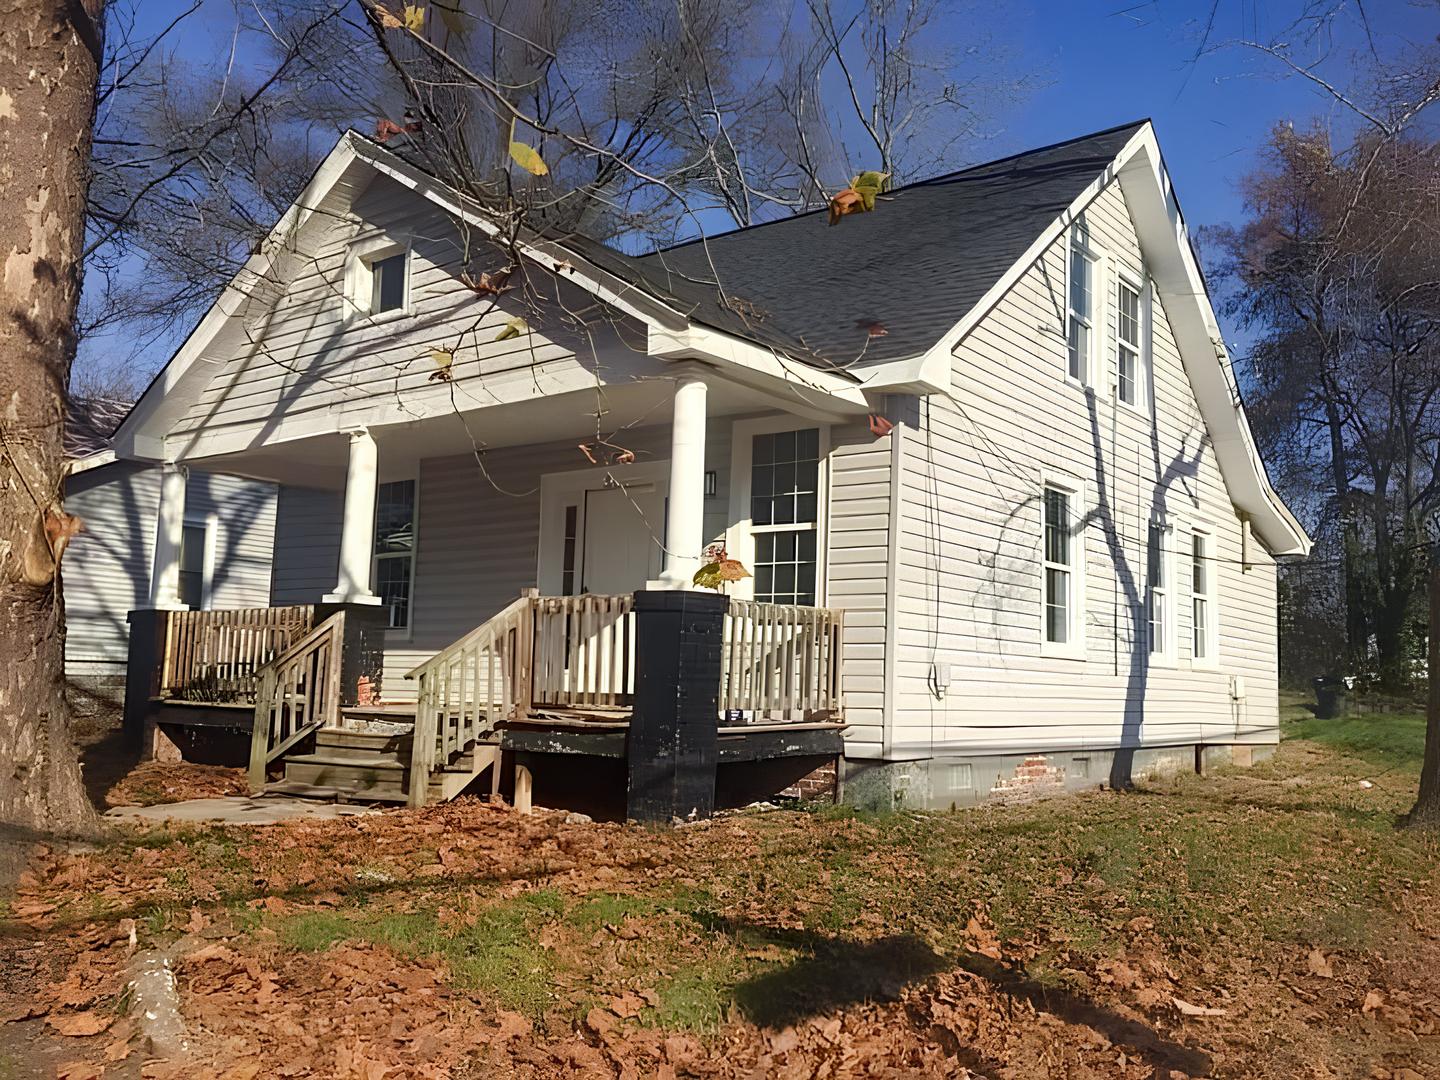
[892, 588]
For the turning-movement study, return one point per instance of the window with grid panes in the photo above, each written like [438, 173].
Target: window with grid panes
[784, 515]
[395, 549]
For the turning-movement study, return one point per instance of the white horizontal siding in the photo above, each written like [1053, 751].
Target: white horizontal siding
[307, 545]
[106, 570]
[314, 355]
[969, 580]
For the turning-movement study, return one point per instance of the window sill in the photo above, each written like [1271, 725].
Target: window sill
[365, 318]
[1052, 651]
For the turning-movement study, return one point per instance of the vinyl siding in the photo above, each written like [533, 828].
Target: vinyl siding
[970, 582]
[307, 545]
[106, 572]
[314, 356]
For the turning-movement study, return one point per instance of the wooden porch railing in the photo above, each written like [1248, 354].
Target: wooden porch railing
[781, 661]
[584, 651]
[214, 656]
[468, 687]
[298, 692]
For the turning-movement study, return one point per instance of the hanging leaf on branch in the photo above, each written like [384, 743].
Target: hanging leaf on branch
[411, 17]
[443, 359]
[525, 155]
[716, 575]
[859, 197]
[414, 18]
[385, 130]
[513, 328]
[528, 158]
[490, 283]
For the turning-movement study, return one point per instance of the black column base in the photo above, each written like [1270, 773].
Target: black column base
[671, 748]
[362, 654]
[142, 670]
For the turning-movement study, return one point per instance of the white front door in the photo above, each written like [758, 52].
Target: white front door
[602, 530]
[621, 538]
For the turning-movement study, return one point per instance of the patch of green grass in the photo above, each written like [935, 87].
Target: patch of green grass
[499, 953]
[1388, 739]
[599, 909]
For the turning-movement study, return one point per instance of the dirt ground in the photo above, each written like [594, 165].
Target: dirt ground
[1261, 923]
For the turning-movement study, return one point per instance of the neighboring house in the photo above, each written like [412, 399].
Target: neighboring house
[228, 536]
[993, 422]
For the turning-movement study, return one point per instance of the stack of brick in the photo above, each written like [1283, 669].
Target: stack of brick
[1034, 778]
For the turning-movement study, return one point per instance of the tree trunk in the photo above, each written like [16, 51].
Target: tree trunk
[1356, 625]
[49, 62]
[1427, 806]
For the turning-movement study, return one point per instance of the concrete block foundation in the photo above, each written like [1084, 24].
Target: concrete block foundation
[945, 783]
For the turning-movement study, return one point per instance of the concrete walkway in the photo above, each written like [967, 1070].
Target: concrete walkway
[235, 810]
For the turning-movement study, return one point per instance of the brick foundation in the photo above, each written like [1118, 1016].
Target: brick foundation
[822, 784]
[1034, 778]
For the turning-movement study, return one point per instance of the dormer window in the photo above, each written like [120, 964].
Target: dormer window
[377, 276]
[387, 283]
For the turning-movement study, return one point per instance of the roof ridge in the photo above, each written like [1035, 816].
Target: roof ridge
[941, 178]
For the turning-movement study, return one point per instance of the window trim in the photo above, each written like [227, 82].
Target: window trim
[1169, 625]
[740, 534]
[1138, 284]
[1077, 647]
[360, 256]
[406, 632]
[1092, 255]
[1211, 660]
[207, 522]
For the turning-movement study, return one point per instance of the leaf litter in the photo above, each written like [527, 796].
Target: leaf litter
[1099, 936]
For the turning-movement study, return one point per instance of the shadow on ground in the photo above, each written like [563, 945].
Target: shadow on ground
[834, 973]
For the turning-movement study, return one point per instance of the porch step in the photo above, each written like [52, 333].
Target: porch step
[398, 714]
[363, 745]
[348, 768]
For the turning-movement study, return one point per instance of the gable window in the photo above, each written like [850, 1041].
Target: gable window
[1062, 568]
[784, 515]
[193, 541]
[1202, 598]
[387, 283]
[395, 549]
[1129, 352]
[1080, 319]
[1159, 610]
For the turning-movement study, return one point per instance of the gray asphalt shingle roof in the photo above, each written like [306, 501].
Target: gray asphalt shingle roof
[916, 264]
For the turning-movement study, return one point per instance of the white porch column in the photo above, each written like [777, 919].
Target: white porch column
[685, 515]
[357, 530]
[169, 533]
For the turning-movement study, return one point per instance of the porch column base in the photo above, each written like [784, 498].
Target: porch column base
[142, 673]
[362, 649]
[672, 745]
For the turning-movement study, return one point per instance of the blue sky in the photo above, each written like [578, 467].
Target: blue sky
[1104, 62]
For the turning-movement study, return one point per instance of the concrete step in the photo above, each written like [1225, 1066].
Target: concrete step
[397, 714]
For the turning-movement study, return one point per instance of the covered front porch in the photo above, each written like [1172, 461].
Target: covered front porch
[485, 590]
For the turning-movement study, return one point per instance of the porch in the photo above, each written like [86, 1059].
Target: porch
[547, 683]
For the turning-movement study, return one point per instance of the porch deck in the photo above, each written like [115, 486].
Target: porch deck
[545, 679]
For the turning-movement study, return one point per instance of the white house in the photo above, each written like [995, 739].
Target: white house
[228, 535]
[992, 423]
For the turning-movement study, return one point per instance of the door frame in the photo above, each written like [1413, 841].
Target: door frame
[561, 489]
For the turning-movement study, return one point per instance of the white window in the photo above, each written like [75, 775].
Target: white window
[1130, 330]
[387, 283]
[1159, 606]
[194, 559]
[1063, 543]
[785, 514]
[377, 277]
[1080, 319]
[1202, 598]
[395, 549]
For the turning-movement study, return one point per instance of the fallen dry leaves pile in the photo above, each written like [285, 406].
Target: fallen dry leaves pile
[152, 782]
[615, 932]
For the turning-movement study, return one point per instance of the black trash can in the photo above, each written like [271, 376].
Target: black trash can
[1332, 698]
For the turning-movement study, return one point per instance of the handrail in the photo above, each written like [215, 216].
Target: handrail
[468, 687]
[298, 692]
[781, 661]
[216, 655]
